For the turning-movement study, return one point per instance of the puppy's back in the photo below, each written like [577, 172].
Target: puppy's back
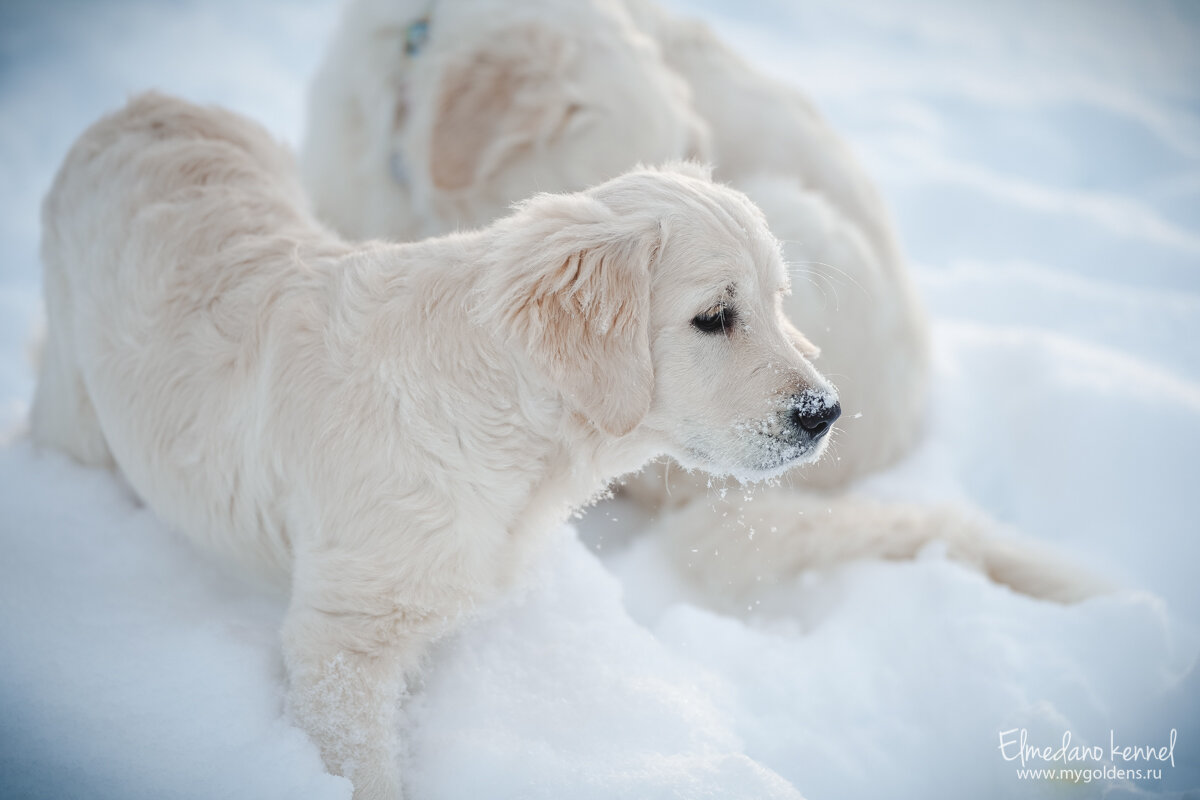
[165, 206]
[160, 151]
[154, 127]
[178, 253]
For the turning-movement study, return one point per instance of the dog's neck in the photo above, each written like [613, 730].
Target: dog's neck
[573, 480]
[564, 459]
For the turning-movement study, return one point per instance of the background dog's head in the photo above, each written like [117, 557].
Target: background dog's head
[653, 303]
[423, 122]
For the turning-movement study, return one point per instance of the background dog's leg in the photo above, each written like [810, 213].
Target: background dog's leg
[734, 548]
[347, 644]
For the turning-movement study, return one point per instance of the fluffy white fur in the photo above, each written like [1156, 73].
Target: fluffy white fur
[504, 99]
[737, 550]
[392, 428]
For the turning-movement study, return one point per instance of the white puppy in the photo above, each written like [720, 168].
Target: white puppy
[426, 117]
[394, 427]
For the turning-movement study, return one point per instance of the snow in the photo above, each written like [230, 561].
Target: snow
[1043, 164]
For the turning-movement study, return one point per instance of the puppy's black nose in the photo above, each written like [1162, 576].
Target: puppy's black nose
[817, 421]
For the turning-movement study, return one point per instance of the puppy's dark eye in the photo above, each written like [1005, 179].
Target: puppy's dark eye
[716, 320]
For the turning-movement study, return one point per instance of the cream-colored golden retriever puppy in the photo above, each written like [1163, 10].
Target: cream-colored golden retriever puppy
[424, 118]
[392, 428]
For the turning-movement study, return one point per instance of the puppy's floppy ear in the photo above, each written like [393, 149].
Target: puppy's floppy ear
[571, 284]
[494, 102]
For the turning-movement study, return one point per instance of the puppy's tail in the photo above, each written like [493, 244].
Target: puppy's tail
[732, 549]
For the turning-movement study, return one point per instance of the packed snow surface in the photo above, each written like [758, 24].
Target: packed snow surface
[1043, 164]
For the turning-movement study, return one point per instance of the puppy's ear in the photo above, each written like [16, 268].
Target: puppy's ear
[493, 103]
[571, 285]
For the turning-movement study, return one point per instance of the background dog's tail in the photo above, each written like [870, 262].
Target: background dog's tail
[732, 548]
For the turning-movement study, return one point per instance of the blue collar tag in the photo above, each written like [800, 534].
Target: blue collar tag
[415, 36]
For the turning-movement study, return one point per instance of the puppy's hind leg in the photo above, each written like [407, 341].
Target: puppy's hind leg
[62, 415]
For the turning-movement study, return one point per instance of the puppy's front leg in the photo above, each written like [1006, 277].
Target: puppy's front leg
[347, 643]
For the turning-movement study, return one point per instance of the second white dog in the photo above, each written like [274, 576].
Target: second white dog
[427, 117]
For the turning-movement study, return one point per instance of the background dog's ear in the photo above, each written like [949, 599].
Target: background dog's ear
[571, 282]
[493, 103]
